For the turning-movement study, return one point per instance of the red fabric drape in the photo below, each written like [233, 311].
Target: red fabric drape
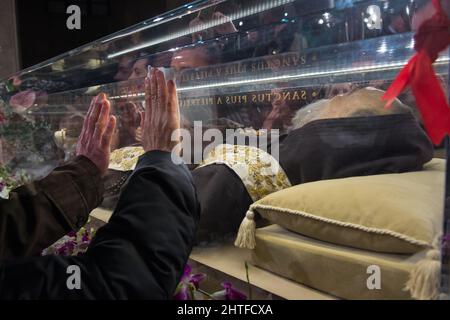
[432, 37]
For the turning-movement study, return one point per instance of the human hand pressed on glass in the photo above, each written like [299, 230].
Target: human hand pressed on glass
[95, 140]
[161, 119]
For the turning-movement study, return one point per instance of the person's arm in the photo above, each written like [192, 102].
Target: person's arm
[139, 254]
[39, 213]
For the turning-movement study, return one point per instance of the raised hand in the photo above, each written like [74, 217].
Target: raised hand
[161, 120]
[95, 140]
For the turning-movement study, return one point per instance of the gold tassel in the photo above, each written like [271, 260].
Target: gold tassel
[246, 235]
[424, 280]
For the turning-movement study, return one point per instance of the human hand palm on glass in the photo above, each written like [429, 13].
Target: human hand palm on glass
[161, 119]
[95, 140]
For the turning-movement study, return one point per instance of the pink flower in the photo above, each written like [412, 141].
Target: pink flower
[23, 100]
[16, 81]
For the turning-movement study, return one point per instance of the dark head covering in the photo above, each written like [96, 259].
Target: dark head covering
[347, 147]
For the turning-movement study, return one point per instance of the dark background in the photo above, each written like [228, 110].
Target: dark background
[42, 31]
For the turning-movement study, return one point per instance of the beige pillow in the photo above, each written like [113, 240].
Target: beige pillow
[393, 213]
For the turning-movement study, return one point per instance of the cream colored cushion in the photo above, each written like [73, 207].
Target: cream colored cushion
[394, 213]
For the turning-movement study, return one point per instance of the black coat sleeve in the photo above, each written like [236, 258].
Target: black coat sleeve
[139, 254]
[39, 213]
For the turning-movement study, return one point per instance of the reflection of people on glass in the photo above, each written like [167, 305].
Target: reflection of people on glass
[193, 57]
[280, 36]
[129, 121]
[398, 21]
[127, 111]
[184, 61]
[281, 114]
[424, 10]
[70, 128]
[124, 68]
[405, 19]
[211, 14]
[139, 69]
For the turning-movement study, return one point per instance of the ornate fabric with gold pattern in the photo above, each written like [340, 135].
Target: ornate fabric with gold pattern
[259, 171]
[125, 159]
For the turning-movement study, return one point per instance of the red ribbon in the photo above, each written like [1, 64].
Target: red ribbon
[432, 38]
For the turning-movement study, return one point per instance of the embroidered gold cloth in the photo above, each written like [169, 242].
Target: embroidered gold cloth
[259, 171]
[125, 159]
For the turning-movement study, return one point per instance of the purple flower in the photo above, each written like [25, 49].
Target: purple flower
[193, 279]
[182, 293]
[67, 248]
[229, 293]
[85, 237]
[446, 238]
[188, 284]
[72, 234]
[446, 241]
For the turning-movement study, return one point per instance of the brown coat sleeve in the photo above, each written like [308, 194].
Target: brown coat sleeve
[38, 214]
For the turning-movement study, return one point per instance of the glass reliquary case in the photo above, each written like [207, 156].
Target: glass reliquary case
[347, 195]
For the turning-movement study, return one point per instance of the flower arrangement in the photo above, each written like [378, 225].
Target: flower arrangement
[9, 181]
[73, 244]
[189, 288]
